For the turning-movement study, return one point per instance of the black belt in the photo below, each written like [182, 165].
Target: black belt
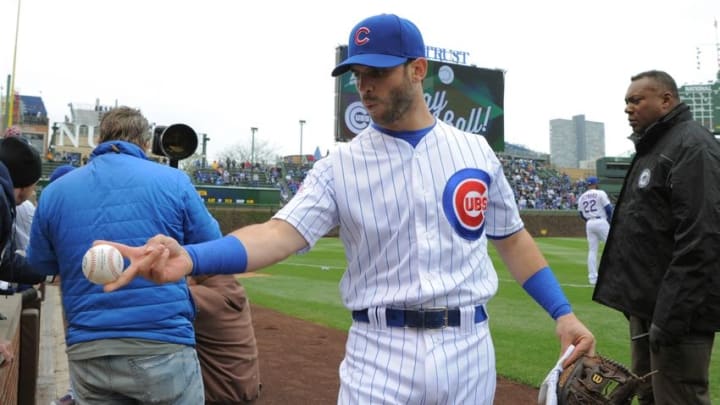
[423, 318]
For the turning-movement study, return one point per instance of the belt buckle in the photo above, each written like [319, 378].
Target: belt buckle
[434, 310]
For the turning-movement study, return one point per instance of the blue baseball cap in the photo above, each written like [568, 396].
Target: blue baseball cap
[382, 41]
[592, 180]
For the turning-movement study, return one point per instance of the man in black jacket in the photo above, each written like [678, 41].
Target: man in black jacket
[661, 263]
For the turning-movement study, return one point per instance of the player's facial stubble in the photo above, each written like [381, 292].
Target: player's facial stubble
[395, 105]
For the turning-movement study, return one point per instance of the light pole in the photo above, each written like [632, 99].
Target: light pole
[11, 90]
[302, 159]
[205, 140]
[53, 139]
[252, 146]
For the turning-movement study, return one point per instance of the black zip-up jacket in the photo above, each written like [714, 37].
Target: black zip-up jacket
[661, 261]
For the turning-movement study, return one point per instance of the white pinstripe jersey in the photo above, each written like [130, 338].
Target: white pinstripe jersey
[592, 204]
[413, 220]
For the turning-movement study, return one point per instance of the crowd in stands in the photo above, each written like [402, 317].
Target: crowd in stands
[537, 185]
[286, 177]
[231, 173]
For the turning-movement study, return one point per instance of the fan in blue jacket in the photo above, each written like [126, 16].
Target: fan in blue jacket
[137, 343]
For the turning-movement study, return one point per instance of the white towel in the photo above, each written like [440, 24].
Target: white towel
[548, 389]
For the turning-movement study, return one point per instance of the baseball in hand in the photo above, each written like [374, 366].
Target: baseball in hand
[102, 264]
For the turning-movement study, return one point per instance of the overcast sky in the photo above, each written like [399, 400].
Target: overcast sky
[223, 67]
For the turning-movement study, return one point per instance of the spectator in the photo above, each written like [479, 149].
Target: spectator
[225, 338]
[24, 213]
[20, 168]
[23, 219]
[140, 338]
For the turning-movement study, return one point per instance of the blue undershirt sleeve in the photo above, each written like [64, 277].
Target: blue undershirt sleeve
[226, 255]
[546, 291]
[609, 211]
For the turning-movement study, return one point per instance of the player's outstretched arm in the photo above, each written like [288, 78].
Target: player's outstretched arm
[269, 242]
[250, 248]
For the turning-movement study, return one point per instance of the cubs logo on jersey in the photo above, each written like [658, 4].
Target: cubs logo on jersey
[465, 200]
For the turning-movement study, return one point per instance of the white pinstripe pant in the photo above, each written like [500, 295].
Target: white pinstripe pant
[596, 230]
[393, 365]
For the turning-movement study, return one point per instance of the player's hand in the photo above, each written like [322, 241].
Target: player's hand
[6, 356]
[572, 332]
[161, 260]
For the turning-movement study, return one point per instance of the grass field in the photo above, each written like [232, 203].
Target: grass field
[306, 287]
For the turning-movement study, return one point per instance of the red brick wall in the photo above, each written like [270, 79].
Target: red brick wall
[554, 223]
[538, 223]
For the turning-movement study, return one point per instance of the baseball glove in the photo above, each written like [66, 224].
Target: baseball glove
[597, 380]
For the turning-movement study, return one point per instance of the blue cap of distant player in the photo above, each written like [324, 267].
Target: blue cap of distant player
[592, 180]
[382, 41]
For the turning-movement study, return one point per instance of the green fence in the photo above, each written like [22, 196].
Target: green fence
[225, 195]
[239, 196]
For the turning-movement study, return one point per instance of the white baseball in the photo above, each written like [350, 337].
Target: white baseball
[102, 264]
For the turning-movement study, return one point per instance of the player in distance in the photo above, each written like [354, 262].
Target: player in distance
[596, 210]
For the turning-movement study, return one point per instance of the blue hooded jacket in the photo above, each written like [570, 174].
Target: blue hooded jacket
[119, 196]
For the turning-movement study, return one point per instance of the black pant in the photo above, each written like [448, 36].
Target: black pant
[682, 369]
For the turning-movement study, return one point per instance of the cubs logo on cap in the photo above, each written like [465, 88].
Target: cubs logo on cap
[382, 41]
[465, 200]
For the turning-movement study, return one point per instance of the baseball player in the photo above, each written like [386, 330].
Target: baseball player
[416, 201]
[595, 208]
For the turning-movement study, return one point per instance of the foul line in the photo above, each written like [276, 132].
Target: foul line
[504, 280]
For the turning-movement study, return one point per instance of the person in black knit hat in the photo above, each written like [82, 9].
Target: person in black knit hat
[20, 168]
[23, 163]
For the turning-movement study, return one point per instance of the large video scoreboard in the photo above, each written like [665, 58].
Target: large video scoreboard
[466, 96]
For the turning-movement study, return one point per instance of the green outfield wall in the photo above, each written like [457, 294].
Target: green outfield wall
[538, 222]
[239, 196]
[224, 195]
